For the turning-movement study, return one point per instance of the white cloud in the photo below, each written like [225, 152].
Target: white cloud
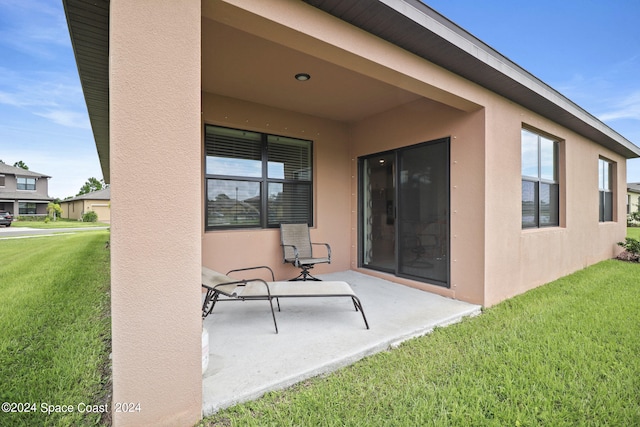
[33, 27]
[627, 107]
[67, 118]
[54, 96]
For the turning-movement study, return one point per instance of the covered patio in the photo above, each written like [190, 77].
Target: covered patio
[358, 85]
[317, 336]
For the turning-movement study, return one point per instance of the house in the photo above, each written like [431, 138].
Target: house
[420, 153]
[633, 197]
[23, 192]
[96, 201]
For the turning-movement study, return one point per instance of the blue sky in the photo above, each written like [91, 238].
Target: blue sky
[588, 50]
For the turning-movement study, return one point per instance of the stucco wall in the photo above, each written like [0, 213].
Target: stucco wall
[72, 210]
[225, 250]
[155, 266]
[634, 199]
[75, 209]
[518, 260]
[422, 121]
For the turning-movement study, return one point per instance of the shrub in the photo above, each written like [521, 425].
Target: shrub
[632, 249]
[90, 216]
[31, 218]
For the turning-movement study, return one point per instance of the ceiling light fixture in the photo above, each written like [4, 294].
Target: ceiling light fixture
[302, 77]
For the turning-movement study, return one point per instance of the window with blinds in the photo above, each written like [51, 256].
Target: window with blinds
[26, 183]
[255, 179]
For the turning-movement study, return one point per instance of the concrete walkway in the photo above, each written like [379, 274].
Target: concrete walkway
[26, 232]
[316, 336]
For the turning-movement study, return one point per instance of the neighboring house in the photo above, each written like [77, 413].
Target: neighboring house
[96, 201]
[420, 153]
[23, 192]
[633, 197]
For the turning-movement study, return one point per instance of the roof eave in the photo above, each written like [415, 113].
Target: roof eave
[409, 24]
[88, 22]
[413, 26]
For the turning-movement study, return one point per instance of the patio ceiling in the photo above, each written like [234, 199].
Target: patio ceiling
[264, 73]
[409, 24]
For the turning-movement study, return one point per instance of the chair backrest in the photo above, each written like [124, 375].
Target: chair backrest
[298, 236]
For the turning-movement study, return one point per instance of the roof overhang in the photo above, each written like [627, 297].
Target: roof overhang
[88, 22]
[412, 25]
[409, 24]
[633, 187]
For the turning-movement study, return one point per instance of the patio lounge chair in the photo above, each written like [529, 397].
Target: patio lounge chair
[217, 285]
[297, 249]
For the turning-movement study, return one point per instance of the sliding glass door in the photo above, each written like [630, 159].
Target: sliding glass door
[404, 212]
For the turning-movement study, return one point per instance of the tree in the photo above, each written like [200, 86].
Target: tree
[21, 164]
[54, 210]
[92, 185]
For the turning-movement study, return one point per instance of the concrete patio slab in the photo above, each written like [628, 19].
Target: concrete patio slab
[316, 336]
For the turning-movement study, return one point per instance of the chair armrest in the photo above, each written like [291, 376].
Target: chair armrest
[242, 282]
[212, 293]
[328, 249]
[273, 277]
[296, 254]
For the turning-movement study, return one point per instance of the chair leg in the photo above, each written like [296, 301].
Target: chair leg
[209, 299]
[305, 275]
[358, 304]
[273, 314]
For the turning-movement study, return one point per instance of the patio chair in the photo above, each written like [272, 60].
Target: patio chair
[297, 250]
[219, 285]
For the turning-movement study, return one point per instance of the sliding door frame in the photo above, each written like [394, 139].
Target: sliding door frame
[396, 214]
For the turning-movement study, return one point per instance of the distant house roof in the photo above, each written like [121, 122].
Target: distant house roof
[23, 196]
[12, 170]
[104, 194]
[633, 187]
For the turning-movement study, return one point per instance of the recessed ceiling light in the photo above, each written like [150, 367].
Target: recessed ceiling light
[302, 77]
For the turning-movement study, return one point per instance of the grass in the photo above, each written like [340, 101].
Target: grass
[564, 354]
[633, 232]
[54, 327]
[60, 223]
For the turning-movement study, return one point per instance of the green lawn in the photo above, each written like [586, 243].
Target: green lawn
[54, 328]
[633, 232]
[564, 354]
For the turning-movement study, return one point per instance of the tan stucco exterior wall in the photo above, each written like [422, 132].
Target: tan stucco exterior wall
[75, 209]
[518, 260]
[634, 201]
[72, 210]
[155, 130]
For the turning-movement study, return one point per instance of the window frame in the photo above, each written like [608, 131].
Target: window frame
[264, 182]
[24, 208]
[606, 189]
[27, 179]
[540, 180]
